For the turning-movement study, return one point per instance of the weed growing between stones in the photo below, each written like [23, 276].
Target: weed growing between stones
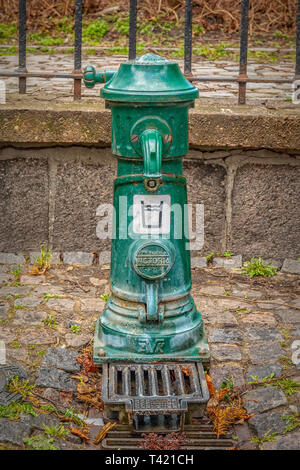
[292, 421]
[59, 431]
[39, 442]
[267, 437]
[13, 410]
[256, 267]
[43, 262]
[50, 321]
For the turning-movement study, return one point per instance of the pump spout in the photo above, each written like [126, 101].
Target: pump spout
[151, 142]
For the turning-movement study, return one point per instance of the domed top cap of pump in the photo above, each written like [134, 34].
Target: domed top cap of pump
[149, 79]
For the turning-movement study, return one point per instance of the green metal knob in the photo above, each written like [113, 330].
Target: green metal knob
[91, 77]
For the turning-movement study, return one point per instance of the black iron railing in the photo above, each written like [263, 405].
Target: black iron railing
[242, 78]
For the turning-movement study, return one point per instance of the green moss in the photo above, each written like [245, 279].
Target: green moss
[8, 31]
[94, 31]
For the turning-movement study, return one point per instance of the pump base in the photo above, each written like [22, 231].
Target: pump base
[103, 353]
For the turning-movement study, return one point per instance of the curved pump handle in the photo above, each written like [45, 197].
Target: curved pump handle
[91, 77]
[151, 143]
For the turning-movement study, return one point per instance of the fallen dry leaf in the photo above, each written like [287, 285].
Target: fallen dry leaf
[103, 431]
[210, 385]
[82, 434]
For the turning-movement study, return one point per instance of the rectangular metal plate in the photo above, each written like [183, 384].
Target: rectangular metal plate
[156, 405]
[151, 214]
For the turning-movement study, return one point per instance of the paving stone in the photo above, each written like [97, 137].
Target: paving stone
[291, 441]
[29, 302]
[291, 266]
[11, 258]
[270, 421]
[3, 311]
[99, 282]
[12, 290]
[226, 352]
[258, 319]
[5, 277]
[104, 257]
[90, 305]
[289, 315]
[295, 333]
[220, 318]
[274, 264]
[33, 280]
[214, 289]
[13, 431]
[61, 358]
[225, 335]
[38, 422]
[220, 373]
[261, 334]
[55, 378]
[264, 371]
[29, 317]
[38, 336]
[263, 399]
[64, 399]
[261, 353]
[53, 290]
[76, 340]
[61, 305]
[247, 293]
[198, 262]
[78, 257]
[232, 262]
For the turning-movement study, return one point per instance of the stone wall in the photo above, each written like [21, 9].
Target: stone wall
[50, 195]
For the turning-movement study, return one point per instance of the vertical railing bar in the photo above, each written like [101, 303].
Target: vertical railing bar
[188, 37]
[297, 72]
[78, 47]
[132, 29]
[22, 44]
[243, 51]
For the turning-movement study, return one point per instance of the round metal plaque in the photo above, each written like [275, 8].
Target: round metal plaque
[153, 260]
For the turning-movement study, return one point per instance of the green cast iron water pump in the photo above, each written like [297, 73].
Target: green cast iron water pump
[150, 316]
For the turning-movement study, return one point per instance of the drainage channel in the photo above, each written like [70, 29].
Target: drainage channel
[158, 398]
[198, 437]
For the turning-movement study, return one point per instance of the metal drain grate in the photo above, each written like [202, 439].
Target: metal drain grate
[160, 396]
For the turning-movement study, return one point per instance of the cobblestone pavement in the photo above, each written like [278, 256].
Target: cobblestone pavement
[64, 88]
[252, 327]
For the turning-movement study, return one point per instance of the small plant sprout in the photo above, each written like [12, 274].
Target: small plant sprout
[104, 297]
[286, 335]
[50, 321]
[50, 296]
[227, 254]
[17, 274]
[14, 409]
[292, 421]
[20, 386]
[256, 267]
[39, 442]
[289, 386]
[75, 328]
[267, 437]
[42, 262]
[56, 431]
[256, 380]
[209, 257]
